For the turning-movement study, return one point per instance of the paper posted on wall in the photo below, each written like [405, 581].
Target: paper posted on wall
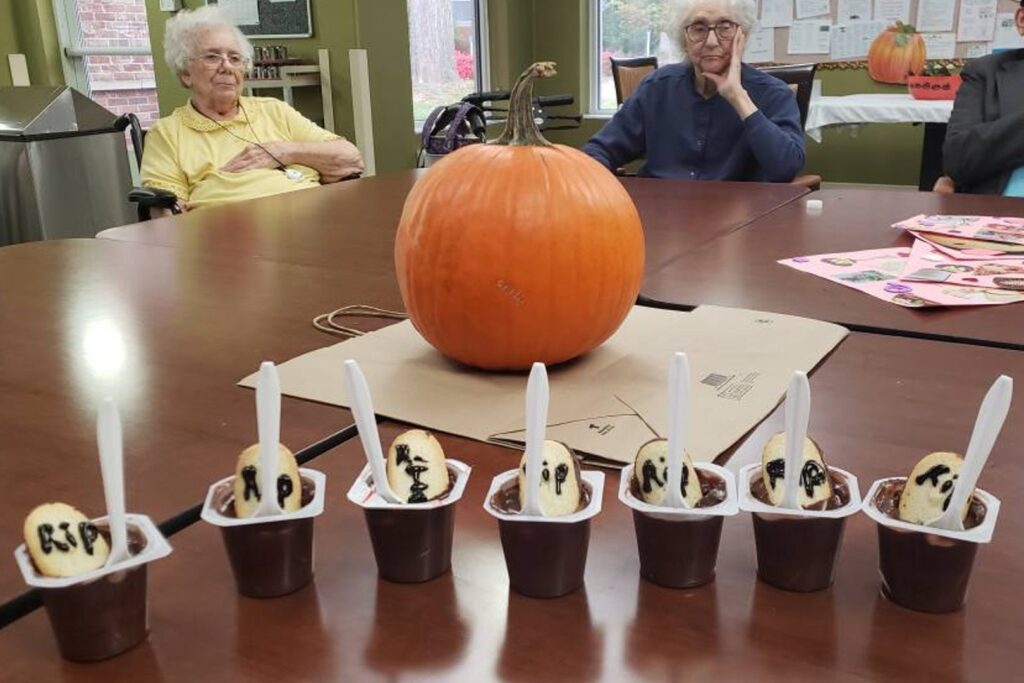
[809, 37]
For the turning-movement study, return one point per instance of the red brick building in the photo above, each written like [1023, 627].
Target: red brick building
[120, 83]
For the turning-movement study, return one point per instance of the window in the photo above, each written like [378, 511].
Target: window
[626, 28]
[107, 54]
[447, 52]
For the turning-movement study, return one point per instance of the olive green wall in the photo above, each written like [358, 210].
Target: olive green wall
[380, 27]
[8, 40]
[27, 26]
[510, 32]
[520, 32]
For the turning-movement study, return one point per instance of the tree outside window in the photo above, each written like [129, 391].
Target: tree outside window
[444, 52]
[631, 28]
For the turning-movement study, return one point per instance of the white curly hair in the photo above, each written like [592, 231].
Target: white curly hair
[743, 11]
[184, 28]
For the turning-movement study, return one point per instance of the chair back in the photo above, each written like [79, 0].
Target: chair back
[800, 78]
[627, 74]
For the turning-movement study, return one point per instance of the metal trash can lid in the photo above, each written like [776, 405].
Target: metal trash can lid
[42, 112]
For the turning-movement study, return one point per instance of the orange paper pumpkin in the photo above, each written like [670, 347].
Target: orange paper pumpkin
[518, 250]
[896, 53]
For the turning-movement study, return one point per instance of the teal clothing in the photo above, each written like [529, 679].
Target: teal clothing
[1015, 185]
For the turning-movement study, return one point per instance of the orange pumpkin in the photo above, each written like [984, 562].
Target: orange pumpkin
[896, 53]
[518, 250]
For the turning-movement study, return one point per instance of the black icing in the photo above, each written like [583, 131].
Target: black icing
[417, 490]
[285, 486]
[251, 485]
[933, 475]
[49, 541]
[811, 476]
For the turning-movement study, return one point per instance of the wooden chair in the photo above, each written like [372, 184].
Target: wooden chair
[627, 74]
[800, 79]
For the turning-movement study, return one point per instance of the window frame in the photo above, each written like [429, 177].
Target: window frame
[593, 51]
[73, 53]
[483, 57]
[594, 67]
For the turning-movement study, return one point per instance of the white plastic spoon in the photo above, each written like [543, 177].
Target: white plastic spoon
[108, 439]
[986, 429]
[678, 407]
[268, 423]
[537, 397]
[362, 407]
[798, 412]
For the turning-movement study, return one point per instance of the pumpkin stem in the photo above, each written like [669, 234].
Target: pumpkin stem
[521, 128]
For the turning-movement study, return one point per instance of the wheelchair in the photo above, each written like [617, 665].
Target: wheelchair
[145, 198]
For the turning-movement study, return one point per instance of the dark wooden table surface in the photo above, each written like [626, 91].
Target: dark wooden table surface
[740, 269]
[168, 337]
[878, 404]
[351, 224]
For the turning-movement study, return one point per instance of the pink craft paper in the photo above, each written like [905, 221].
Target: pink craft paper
[967, 253]
[988, 228]
[877, 272]
[928, 264]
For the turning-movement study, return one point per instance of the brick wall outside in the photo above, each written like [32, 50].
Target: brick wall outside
[119, 83]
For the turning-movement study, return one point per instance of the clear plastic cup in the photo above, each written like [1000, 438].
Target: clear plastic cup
[100, 613]
[270, 556]
[678, 547]
[546, 557]
[797, 550]
[412, 542]
[924, 568]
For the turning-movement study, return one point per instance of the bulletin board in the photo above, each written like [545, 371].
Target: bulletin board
[853, 36]
[269, 18]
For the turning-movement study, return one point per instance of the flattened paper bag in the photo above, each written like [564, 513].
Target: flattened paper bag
[605, 404]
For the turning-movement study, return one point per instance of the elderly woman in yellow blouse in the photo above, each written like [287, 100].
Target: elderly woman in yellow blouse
[221, 147]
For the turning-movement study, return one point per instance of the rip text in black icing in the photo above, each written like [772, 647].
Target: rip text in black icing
[49, 538]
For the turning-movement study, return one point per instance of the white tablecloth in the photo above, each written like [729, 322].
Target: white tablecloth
[873, 108]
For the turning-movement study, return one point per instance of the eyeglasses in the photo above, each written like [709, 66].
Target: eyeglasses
[725, 30]
[213, 60]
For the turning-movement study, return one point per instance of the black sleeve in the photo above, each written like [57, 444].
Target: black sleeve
[976, 150]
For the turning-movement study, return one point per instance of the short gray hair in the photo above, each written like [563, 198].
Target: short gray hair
[184, 28]
[744, 11]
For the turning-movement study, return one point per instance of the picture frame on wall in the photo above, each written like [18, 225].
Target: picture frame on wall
[269, 18]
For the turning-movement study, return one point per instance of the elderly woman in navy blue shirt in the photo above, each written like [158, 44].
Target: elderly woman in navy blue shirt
[710, 117]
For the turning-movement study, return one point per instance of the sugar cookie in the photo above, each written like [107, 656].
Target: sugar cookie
[63, 542]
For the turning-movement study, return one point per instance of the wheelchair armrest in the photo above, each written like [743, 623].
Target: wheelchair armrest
[153, 198]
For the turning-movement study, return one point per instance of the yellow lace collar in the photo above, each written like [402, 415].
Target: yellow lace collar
[196, 121]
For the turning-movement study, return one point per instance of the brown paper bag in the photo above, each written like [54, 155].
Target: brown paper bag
[605, 404]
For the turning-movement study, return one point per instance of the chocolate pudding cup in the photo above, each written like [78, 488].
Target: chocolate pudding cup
[102, 617]
[271, 557]
[798, 550]
[411, 546]
[920, 570]
[679, 550]
[545, 557]
[412, 542]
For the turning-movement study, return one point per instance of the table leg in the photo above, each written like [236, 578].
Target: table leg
[931, 155]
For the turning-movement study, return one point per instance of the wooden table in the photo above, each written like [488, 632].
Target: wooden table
[168, 337]
[879, 404]
[352, 224]
[740, 269]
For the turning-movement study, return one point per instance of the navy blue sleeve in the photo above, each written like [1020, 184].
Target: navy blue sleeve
[621, 140]
[775, 135]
